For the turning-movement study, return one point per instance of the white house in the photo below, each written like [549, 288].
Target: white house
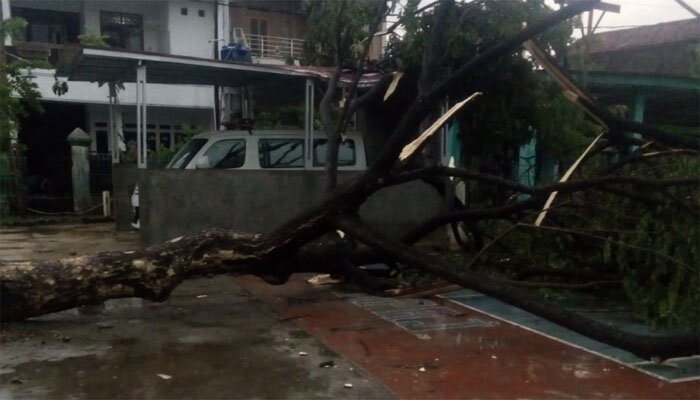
[187, 28]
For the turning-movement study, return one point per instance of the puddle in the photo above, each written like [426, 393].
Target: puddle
[220, 346]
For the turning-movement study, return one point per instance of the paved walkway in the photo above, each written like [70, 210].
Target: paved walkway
[438, 349]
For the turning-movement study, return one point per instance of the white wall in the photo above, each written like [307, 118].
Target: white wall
[165, 31]
[5, 5]
[190, 34]
[192, 96]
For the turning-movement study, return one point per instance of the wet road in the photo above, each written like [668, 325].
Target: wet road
[210, 340]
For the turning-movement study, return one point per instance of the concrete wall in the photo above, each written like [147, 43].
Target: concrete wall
[190, 34]
[177, 202]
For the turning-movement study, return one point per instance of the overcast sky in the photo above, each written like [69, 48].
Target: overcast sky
[643, 12]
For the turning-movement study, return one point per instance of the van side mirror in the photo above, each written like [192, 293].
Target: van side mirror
[202, 163]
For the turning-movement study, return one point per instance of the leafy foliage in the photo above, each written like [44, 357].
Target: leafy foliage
[518, 103]
[329, 42]
[17, 89]
[651, 248]
[90, 38]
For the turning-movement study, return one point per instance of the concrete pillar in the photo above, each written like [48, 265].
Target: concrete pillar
[80, 156]
[639, 105]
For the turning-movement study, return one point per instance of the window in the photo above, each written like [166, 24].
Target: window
[183, 11]
[185, 155]
[227, 154]
[346, 152]
[47, 26]
[258, 26]
[281, 153]
[124, 31]
[258, 36]
[200, 13]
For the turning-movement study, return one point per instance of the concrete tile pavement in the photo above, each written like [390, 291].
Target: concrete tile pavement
[441, 350]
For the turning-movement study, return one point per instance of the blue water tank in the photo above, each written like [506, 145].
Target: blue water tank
[235, 52]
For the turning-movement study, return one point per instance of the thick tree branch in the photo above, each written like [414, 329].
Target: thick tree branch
[563, 187]
[333, 131]
[424, 103]
[646, 346]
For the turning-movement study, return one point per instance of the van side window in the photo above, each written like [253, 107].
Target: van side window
[346, 152]
[281, 153]
[185, 155]
[227, 154]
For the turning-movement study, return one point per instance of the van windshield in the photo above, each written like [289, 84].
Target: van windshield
[185, 155]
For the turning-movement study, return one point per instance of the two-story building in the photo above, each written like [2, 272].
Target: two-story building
[188, 28]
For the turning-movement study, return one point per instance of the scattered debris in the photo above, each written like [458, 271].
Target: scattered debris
[423, 336]
[494, 357]
[104, 325]
[17, 381]
[421, 369]
[65, 339]
[303, 353]
[164, 376]
[327, 364]
[348, 386]
[322, 279]
[201, 296]
[73, 253]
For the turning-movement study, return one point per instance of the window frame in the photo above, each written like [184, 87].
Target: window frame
[301, 161]
[244, 149]
[104, 17]
[322, 163]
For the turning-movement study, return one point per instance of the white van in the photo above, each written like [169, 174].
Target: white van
[266, 150]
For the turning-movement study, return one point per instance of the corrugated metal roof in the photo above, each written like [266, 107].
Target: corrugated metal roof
[100, 65]
[649, 35]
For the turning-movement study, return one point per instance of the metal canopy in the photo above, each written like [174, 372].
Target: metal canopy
[103, 65]
[109, 65]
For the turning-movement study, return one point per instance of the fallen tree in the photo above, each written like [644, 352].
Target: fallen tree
[306, 243]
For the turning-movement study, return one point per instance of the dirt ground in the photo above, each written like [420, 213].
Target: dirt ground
[212, 339]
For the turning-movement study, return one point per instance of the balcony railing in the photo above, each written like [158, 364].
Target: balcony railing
[275, 47]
